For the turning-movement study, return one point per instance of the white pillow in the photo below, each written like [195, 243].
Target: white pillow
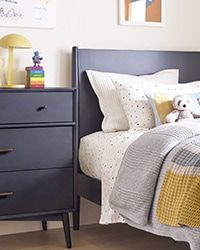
[167, 76]
[136, 106]
[102, 83]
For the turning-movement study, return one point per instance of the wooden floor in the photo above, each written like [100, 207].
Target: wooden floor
[115, 237]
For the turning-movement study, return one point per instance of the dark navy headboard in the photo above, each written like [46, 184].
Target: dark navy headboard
[127, 62]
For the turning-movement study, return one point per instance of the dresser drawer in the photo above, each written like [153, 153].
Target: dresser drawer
[36, 191]
[36, 148]
[33, 107]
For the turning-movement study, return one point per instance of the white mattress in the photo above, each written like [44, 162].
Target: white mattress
[100, 155]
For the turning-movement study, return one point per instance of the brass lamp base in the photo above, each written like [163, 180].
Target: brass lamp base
[13, 86]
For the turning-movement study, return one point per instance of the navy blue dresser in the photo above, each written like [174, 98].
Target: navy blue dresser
[38, 155]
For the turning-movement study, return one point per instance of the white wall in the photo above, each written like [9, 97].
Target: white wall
[94, 24]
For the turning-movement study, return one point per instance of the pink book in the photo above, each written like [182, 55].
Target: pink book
[33, 68]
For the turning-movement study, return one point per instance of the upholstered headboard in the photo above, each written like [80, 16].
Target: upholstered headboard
[127, 62]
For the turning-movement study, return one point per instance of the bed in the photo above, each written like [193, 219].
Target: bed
[116, 61]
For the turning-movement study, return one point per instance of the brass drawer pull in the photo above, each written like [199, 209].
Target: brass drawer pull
[6, 150]
[42, 108]
[5, 195]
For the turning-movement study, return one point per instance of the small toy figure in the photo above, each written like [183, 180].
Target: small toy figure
[37, 59]
[182, 109]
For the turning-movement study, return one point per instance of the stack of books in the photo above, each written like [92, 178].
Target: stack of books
[35, 77]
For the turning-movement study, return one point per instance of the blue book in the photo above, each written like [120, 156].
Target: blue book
[36, 72]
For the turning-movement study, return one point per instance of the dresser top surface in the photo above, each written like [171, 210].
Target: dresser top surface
[14, 90]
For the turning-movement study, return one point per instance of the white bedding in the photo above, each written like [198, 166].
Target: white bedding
[100, 155]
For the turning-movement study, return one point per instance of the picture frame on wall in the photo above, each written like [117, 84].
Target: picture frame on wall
[141, 12]
[28, 14]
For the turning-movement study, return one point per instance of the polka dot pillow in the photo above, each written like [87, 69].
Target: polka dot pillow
[136, 106]
[102, 84]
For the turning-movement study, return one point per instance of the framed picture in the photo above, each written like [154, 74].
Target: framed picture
[28, 13]
[141, 12]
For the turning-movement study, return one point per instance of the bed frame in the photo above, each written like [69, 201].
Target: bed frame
[118, 61]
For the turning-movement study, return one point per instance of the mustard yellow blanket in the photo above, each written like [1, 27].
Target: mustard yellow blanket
[179, 200]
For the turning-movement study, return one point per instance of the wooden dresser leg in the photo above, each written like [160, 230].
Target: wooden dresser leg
[76, 216]
[44, 225]
[66, 227]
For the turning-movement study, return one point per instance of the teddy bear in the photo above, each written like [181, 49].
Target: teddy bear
[182, 109]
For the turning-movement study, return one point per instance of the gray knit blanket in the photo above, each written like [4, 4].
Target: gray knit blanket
[179, 200]
[136, 183]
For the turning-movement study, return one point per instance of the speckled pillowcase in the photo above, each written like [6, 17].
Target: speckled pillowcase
[102, 83]
[138, 108]
[135, 104]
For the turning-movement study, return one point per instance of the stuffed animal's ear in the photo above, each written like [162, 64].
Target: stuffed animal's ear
[176, 101]
[179, 102]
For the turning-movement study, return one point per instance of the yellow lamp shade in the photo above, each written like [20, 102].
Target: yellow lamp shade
[15, 41]
[11, 42]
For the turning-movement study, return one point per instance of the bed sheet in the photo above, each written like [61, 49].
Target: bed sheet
[100, 155]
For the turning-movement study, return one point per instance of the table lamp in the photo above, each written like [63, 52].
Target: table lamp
[13, 41]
